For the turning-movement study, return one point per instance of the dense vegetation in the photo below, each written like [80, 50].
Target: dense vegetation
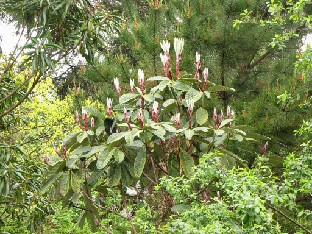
[155, 116]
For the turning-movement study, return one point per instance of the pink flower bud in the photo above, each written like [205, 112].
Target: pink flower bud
[155, 111]
[92, 122]
[132, 85]
[215, 117]
[221, 117]
[190, 105]
[109, 106]
[165, 45]
[127, 118]
[228, 112]
[264, 148]
[205, 77]
[197, 57]
[176, 119]
[198, 66]
[141, 80]
[85, 120]
[116, 83]
[77, 118]
[140, 117]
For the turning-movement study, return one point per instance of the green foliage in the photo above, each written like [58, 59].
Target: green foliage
[120, 157]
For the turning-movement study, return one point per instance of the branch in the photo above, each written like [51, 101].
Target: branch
[16, 89]
[258, 60]
[36, 81]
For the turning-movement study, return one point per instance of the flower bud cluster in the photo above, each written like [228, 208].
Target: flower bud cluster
[217, 119]
[84, 118]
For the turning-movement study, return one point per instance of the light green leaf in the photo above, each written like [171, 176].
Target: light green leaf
[169, 127]
[225, 122]
[168, 102]
[158, 78]
[181, 86]
[161, 86]
[219, 132]
[104, 157]
[207, 94]
[201, 116]
[100, 130]
[139, 162]
[94, 150]
[70, 139]
[116, 137]
[82, 136]
[64, 184]
[189, 133]
[201, 129]
[148, 97]
[119, 155]
[238, 137]
[193, 94]
[128, 97]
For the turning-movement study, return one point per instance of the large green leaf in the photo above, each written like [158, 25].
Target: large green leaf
[82, 136]
[225, 122]
[128, 97]
[64, 183]
[94, 150]
[189, 133]
[114, 176]
[119, 155]
[158, 78]
[201, 116]
[50, 181]
[70, 139]
[116, 137]
[181, 86]
[169, 102]
[104, 157]
[161, 86]
[139, 162]
[187, 163]
[193, 94]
